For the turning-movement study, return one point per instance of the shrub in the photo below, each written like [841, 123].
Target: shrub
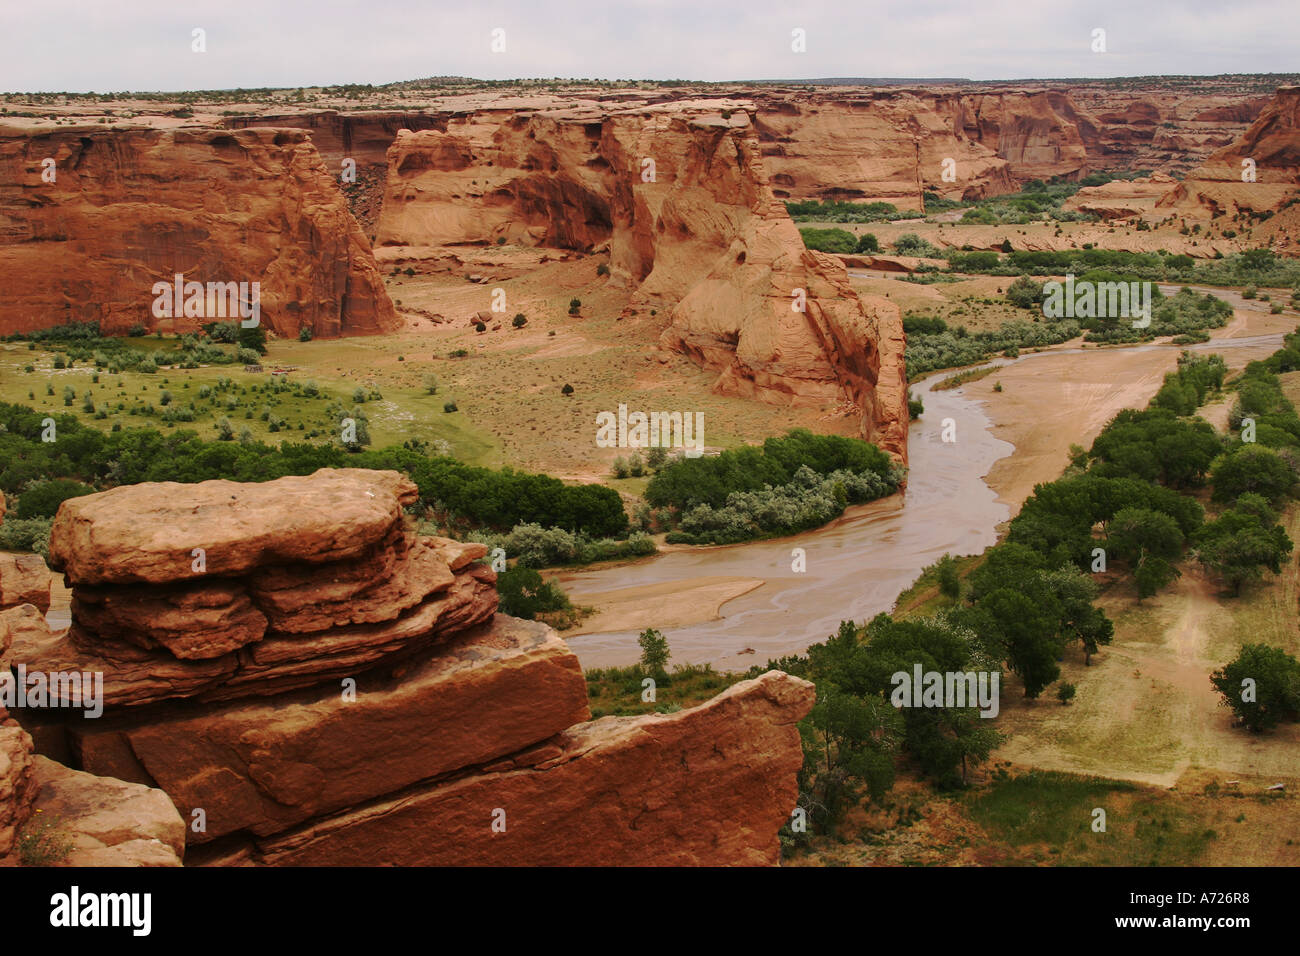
[449, 407]
[304, 334]
[519, 321]
[1025, 293]
[42, 500]
[574, 305]
[523, 593]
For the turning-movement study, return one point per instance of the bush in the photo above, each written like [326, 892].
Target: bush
[523, 593]
[1025, 293]
[304, 334]
[910, 244]
[574, 305]
[449, 407]
[829, 240]
[43, 500]
[519, 321]
[31, 534]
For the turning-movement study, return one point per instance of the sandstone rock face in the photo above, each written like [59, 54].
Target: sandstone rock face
[24, 579]
[131, 207]
[680, 194]
[707, 786]
[1272, 144]
[17, 789]
[261, 766]
[1121, 199]
[108, 822]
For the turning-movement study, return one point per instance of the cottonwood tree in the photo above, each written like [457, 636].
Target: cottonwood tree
[1274, 692]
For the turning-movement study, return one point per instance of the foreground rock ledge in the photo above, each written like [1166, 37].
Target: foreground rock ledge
[707, 786]
[264, 766]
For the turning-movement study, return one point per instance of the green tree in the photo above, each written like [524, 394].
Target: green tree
[654, 652]
[1134, 533]
[1238, 546]
[1025, 293]
[949, 581]
[42, 500]
[1025, 630]
[1251, 468]
[1261, 686]
[253, 338]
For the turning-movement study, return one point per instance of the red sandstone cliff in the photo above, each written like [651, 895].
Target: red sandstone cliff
[128, 208]
[1217, 188]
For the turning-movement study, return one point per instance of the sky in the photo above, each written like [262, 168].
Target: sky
[101, 46]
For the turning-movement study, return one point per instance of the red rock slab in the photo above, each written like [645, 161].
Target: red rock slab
[147, 533]
[194, 622]
[264, 766]
[24, 579]
[710, 786]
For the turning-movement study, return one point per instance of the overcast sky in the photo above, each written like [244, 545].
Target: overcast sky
[101, 46]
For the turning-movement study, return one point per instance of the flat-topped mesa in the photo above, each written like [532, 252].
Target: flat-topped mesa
[225, 589]
[680, 194]
[92, 218]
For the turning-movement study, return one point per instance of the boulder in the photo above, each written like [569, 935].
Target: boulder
[24, 579]
[106, 822]
[17, 789]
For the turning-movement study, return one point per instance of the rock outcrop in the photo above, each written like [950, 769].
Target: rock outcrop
[91, 218]
[221, 590]
[24, 579]
[17, 789]
[106, 822]
[680, 193]
[343, 694]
